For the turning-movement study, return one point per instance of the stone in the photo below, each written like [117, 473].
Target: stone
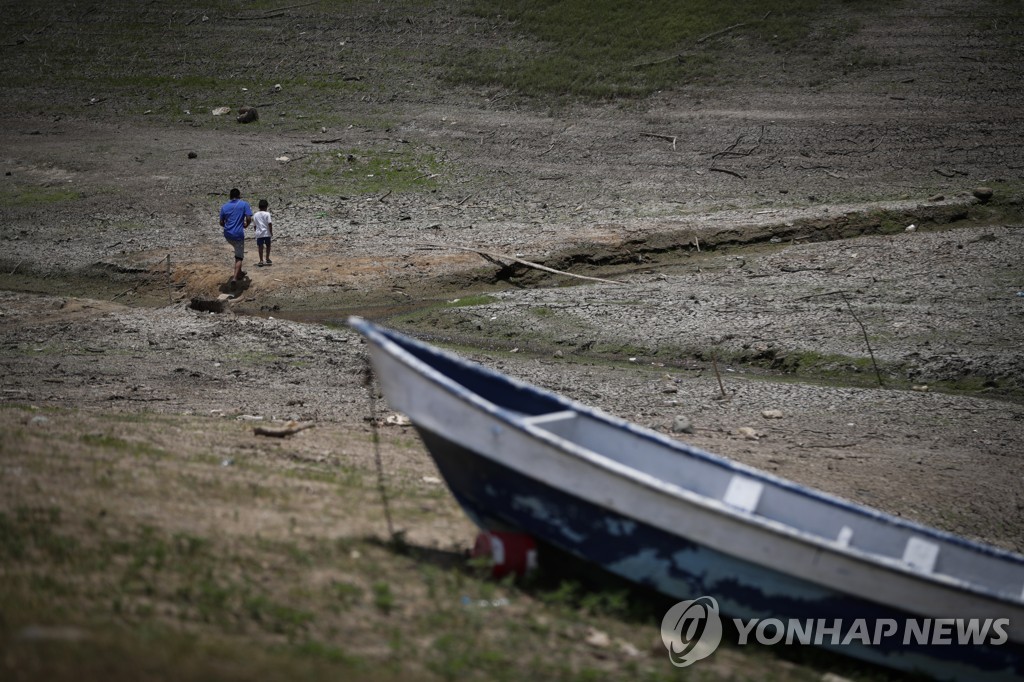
[682, 424]
[193, 155]
[772, 414]
[221, 111]
[982, 194]
[597, 638]
[937, 197]
[748, 433]
[248, 115]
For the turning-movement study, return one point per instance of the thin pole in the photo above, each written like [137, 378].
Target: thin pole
[371, 393]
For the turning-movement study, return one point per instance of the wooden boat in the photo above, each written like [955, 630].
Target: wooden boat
[689, 523]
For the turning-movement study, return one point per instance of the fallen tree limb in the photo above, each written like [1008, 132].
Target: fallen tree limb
[670, 138]
[288, 429]
[727, 172]
[718, 33]
[500, 256]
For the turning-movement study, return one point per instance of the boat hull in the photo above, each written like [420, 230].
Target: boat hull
[683, 522]
[496, 497]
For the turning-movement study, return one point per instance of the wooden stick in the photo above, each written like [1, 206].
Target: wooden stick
[714, 363]
[281, 9]
[670, 138]
[538, 266]
[727, 172]
[169, 299]
[867, 342]
[718, 33]
[281, 431]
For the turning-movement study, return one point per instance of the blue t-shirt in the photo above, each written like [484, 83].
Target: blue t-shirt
[233, 215]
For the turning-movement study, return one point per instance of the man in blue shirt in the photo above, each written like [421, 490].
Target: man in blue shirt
[235, 216]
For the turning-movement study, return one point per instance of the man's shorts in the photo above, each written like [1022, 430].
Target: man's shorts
[239, 247]
[262, 241]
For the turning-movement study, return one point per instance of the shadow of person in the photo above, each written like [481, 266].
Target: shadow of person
[235, 288]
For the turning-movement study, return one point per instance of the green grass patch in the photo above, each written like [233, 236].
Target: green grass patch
[31, 196]
[361, 171]
[608, 49]
[472, 300]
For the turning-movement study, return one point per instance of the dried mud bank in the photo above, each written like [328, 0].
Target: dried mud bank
[933, 308]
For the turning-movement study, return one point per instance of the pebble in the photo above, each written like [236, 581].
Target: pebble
[682, 424]
[982, 194]
[748, 433]
[598, 638]
[772, 414]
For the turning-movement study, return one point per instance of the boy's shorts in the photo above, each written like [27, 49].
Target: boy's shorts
[262, 241]
[239, 247]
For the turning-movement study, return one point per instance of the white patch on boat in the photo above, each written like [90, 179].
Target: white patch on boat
[536, 508]
[620, 528]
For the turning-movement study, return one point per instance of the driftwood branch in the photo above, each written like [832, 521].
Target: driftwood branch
[288, 429]
[867, 341]
[682, 55]
[670, 138]
[492, 256]
[722, 32]
[727, 172]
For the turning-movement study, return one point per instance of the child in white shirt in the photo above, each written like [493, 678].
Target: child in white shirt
[264, 231]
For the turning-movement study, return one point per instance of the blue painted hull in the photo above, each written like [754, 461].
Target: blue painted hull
[498, 498]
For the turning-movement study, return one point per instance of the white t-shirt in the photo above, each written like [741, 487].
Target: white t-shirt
[262, 220]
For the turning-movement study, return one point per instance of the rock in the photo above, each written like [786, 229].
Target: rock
[911, 227]
[248, 115]
[221, 111]
[39, 420]
[920, 388]
[277, 87]
[628, 649]
[193, 155]
[283, 159]
[772, 414]
[558, 354]
[682, 424]
[982, 194]
[937, 197]
[748, 433]
[598, 638]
